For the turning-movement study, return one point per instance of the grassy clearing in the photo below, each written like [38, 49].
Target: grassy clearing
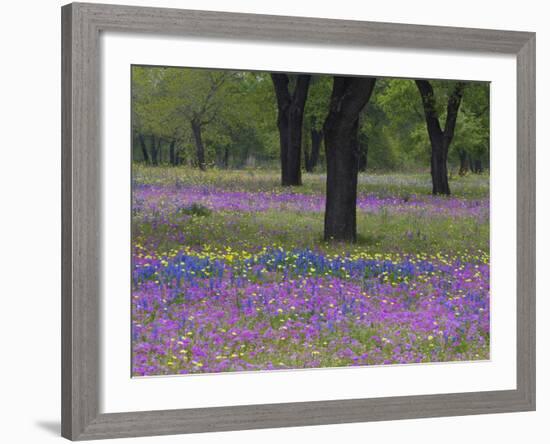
[402, 184]
[377, 233]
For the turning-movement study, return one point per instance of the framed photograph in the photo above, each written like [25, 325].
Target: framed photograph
[278, 221]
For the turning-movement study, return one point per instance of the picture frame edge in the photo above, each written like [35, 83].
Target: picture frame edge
[526, 219]
[233, 418]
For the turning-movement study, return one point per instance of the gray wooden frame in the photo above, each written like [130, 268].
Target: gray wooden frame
[81, 167]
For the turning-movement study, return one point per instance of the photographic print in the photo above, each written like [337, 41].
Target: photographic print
[293, 221]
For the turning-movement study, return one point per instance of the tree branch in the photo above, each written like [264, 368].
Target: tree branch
[428, 102]
[280, 83]
[301, 89]
[453, 104]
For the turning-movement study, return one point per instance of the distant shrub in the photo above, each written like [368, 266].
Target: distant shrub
[195, 209]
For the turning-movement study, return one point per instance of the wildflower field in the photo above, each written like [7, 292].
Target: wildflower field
[230, 273]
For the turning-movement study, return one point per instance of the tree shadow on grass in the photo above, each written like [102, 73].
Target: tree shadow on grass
[363, 240]
[368, 239]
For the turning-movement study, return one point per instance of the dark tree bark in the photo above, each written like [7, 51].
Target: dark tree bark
[440, 138]
[363, 154]
[160, 150]
[196, 127]
[283, 125]
[154, 151]
[478, 167]
[463, 158]
[172, 153]
[313, 158]
[143, 146]
[349, 97]
[289, 121]
[226, 157]
[296, 118]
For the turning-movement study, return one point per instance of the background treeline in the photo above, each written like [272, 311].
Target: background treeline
[225, 119]
[234, 119]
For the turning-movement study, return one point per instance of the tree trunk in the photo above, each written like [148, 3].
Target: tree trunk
[440, 139]
[342, 168]
[349, 97]
[143, 148]
[307, 158]
[226, 157]
[289, 121]
[283, 126]
[471, 163]
[160, 150]
[199, 147]
[440, 181]
[363, 153]
[478, 166]
[313, 158]
[172, 153]
[154, 151]
[296, 118]
[463, 157]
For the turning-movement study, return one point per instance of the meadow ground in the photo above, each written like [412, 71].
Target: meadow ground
[230, 273]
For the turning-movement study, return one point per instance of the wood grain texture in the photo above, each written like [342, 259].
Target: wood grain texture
[81, 231]
[119, 425]
[526, 221]
[66, 223]
[80, 222]
[165, 21]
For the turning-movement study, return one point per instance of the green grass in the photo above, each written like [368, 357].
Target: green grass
[377, 233]
[472, 186]
[381, 232]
